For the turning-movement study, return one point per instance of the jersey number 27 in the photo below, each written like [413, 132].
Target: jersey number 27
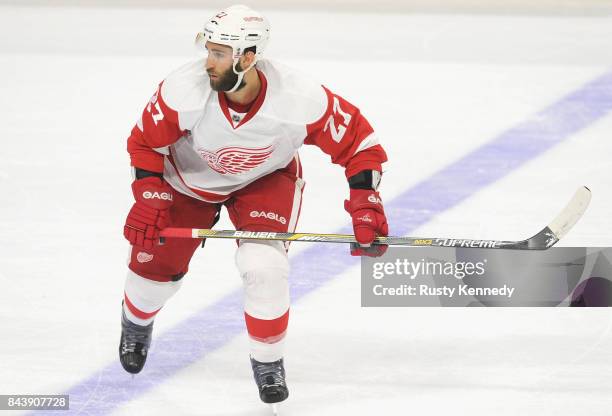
[337, 133]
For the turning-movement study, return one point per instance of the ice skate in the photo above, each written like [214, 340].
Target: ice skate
[270, 379]
[134, 344]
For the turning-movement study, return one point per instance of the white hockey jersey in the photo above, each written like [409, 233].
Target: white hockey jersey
[207, 151]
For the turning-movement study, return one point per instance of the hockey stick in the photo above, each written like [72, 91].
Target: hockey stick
[546, 238]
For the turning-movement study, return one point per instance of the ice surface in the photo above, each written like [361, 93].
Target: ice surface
[73, 82]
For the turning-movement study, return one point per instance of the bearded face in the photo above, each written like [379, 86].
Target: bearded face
[226, 80]
[219, 67]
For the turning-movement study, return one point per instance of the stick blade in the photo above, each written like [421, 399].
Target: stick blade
[562, 223]
[572, 212]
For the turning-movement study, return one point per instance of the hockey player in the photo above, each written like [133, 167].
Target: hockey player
[224, 131]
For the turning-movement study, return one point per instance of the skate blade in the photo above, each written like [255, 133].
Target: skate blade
[274, 408]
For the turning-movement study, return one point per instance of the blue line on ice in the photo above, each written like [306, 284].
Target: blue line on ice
[110, 387]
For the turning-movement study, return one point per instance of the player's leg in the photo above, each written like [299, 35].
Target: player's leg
[269, 204]
[264, 268]
[154, 276]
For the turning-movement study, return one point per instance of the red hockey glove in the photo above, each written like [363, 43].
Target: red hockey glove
[369, 221]
[149, 214]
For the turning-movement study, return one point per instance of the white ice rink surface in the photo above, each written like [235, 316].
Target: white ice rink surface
[435, 87]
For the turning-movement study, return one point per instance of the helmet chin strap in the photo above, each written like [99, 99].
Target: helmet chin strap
[240, 74]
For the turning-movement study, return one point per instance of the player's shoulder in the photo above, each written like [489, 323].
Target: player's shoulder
[187, 88]
[300, 98]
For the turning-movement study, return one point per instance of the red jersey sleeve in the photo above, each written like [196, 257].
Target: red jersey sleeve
[158, 128]
[345, 134]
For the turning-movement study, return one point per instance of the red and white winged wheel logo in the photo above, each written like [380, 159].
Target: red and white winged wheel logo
[236, 160]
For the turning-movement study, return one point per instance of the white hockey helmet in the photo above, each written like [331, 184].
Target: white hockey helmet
[239, 27]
